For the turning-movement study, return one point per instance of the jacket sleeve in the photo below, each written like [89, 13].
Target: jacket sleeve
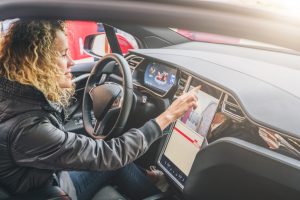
[37, 143]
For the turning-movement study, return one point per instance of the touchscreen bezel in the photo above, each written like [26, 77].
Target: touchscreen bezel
[166, 171]
[156, 89]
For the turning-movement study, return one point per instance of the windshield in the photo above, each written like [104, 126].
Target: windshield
[286, 8]
[221, 39]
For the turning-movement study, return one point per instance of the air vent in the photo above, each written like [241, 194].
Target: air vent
[231, 108]
[231, 100]
[134, 61]
[182, 83]
[137, 59]
[234, 110]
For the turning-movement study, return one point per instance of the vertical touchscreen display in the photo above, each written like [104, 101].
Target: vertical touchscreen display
[188, 135]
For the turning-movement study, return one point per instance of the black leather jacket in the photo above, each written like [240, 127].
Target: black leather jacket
[33, 143]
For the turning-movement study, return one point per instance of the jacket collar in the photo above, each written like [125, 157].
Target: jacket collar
[16, 89]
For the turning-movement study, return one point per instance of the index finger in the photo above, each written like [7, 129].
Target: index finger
[196, 89]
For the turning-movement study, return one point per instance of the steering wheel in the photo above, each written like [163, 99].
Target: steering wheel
[104, 99]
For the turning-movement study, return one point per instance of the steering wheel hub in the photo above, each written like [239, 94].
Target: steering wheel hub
[103, 97]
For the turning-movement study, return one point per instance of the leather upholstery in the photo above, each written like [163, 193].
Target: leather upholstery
[49, 193]
[108, 193]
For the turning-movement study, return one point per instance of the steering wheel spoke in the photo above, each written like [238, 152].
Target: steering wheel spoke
[102, 79]
[118, 102]
[96, 127]
[99, 128]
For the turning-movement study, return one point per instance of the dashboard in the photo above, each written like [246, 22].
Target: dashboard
[232, 103]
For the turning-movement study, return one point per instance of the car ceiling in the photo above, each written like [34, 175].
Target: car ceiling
[202, 16]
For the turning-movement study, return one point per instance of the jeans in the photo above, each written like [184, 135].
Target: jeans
[130, 180]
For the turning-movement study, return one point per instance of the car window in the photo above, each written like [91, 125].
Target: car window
[78, 30]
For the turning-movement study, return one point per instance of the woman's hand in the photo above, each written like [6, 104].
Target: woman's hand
[178, 108]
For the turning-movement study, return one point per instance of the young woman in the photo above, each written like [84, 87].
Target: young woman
[35, 151]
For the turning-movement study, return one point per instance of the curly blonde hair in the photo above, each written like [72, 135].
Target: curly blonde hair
[27, 55]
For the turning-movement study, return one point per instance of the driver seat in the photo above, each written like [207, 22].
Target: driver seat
[56, 193]
[49, 193]
[3, 194]
[108, 193]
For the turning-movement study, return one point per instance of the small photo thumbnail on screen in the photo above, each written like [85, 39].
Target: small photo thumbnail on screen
[199, 120]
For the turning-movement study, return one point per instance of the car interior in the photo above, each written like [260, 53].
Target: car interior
[242, 141]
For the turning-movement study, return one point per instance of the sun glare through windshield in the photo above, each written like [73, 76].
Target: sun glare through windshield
[221, 39]
[285, 7]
